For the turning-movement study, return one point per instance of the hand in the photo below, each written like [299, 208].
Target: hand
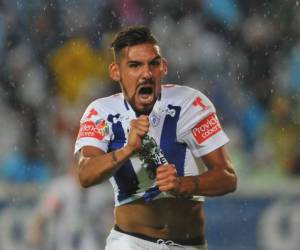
[167, 179]
[139, 128]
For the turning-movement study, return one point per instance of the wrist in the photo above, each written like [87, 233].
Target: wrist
[187, 186]
[129, 150]
[120, 155]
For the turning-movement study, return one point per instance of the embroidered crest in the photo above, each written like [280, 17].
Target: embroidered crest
[154, 120]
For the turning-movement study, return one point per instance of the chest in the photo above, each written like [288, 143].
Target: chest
[163, 126]
[163, 129]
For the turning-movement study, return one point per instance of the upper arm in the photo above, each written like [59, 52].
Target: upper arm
[88, 152]
[218, 159]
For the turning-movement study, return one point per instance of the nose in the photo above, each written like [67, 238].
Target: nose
[147, 72]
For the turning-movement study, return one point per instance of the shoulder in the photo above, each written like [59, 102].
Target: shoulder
[105, 105]
[179, 94]
[107, 101]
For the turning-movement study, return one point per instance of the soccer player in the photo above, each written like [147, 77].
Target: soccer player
[149, 141]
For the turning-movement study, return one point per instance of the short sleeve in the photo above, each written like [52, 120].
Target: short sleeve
[94, 130]
[199, 126]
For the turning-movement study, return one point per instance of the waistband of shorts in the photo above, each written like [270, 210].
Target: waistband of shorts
[188, 242]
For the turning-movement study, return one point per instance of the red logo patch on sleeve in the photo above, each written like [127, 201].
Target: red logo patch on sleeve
[198, 102]
[91, 129]
[91, 113]
[206, 128]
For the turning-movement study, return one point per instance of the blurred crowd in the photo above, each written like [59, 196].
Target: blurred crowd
[245, 55]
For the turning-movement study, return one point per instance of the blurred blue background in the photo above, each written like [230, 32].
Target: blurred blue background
[244, 55]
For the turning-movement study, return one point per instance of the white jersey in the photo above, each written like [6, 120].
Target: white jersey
[183, 123]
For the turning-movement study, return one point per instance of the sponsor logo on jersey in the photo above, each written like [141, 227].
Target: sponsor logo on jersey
[120, 118]
[198, 102]
[206, 128]
[171, 112]
[97, 130]
[92, 113]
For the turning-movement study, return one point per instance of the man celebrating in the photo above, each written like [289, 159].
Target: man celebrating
[149, 141]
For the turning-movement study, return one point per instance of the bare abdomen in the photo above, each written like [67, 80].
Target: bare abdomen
[168, 218]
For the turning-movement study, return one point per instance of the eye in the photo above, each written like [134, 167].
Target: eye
[156, 63]
[134, 65]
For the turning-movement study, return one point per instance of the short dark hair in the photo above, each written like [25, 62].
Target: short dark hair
[130, 36]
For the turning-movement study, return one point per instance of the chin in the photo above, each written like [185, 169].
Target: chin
[145, 110]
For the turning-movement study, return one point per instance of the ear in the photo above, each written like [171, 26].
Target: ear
[165, 66]
[114, 72]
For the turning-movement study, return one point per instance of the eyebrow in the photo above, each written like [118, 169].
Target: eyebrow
[152, 60]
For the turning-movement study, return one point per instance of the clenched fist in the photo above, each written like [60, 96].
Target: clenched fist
[138, 129]
[167, 179]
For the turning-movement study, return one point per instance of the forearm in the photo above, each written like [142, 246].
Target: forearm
[96, 169]
[220, 178]
[210, 183]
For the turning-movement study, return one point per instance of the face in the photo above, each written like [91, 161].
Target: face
[139, 70]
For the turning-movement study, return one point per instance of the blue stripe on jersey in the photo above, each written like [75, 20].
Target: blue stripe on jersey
[125, 177]
[173, 150]
[151, 193]
[126, 104]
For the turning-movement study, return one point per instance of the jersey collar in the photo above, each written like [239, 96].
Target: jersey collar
[130, 109]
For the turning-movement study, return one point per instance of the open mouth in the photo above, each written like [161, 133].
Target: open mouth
[146, 94]
[146, 91]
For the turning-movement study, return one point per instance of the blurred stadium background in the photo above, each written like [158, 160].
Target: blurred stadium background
[245, 55]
